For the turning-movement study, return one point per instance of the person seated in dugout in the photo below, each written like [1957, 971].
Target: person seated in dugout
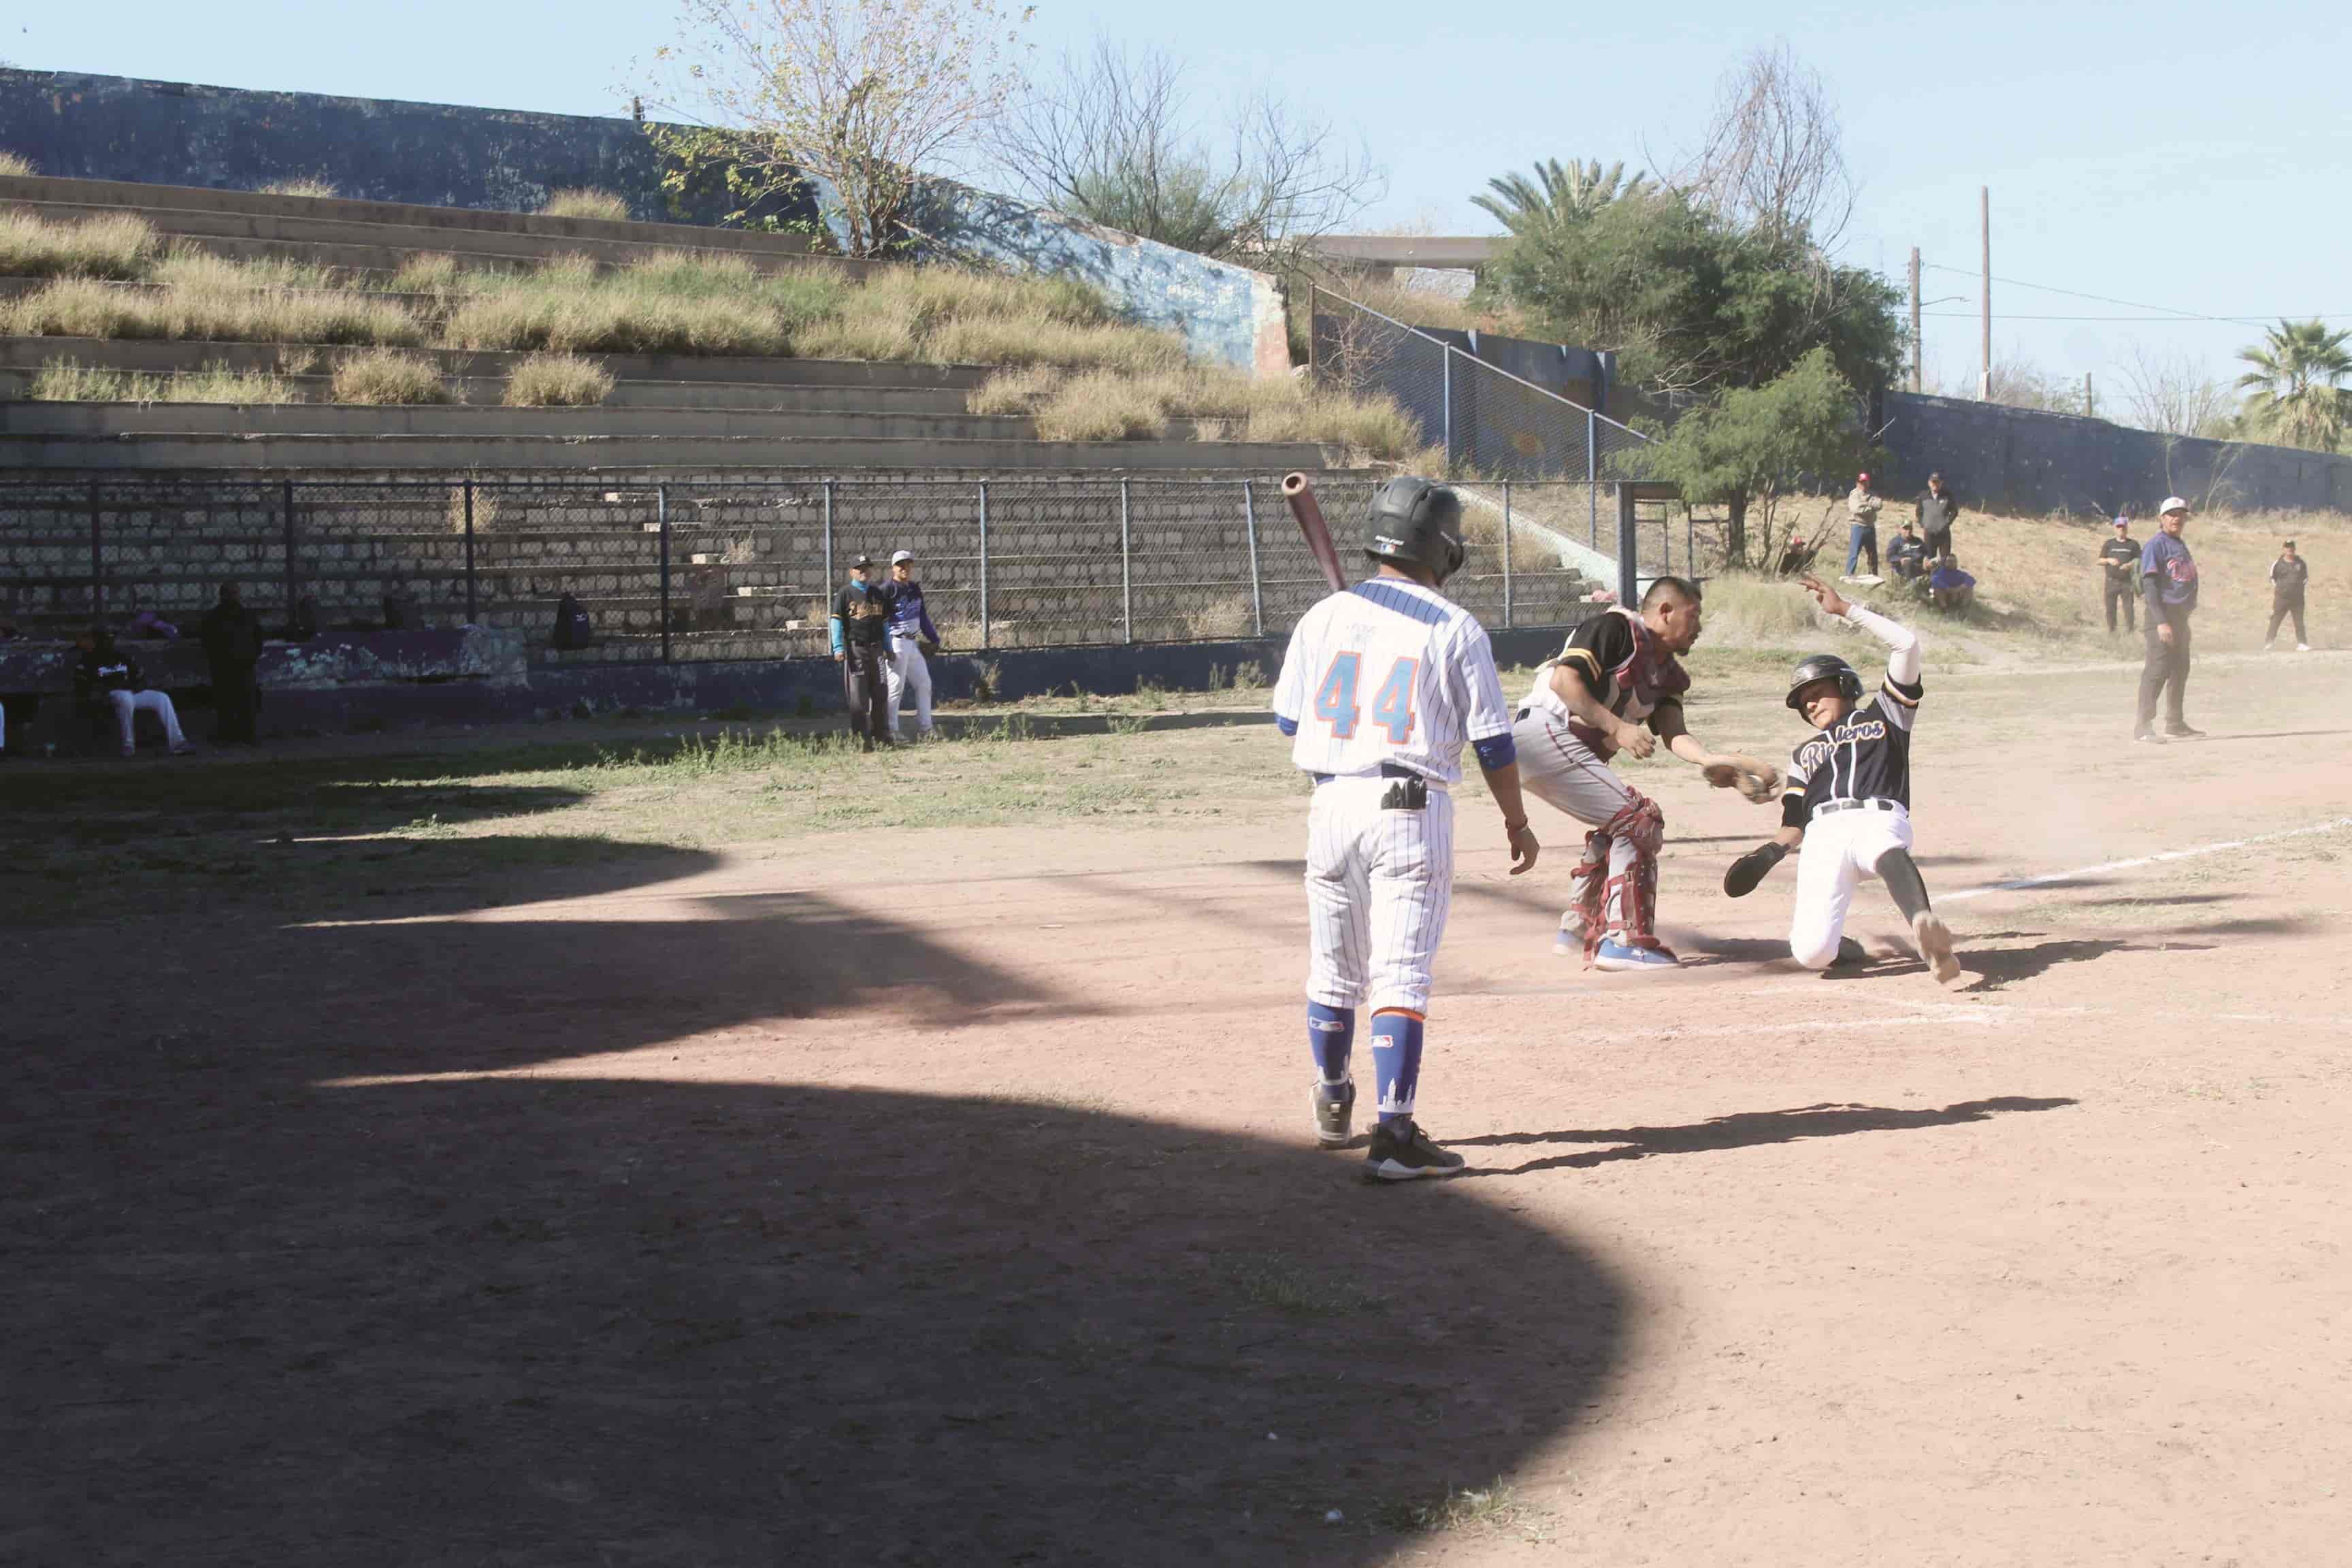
[1952, 589]
[108, 681]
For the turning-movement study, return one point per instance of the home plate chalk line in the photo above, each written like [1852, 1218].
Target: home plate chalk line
[2336, 824]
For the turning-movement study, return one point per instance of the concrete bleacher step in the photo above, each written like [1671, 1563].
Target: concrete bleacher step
[122, 420]
[489, 392]
[149, 357]
[116, 194]
[651, 455]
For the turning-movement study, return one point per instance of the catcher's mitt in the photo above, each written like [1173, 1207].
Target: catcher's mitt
[1752, 868]
[1757, 781]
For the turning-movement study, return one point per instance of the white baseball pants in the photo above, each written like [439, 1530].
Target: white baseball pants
[1564, 773]
[1378, 884]
[1841, 849]
[126, 704]
[907, 672]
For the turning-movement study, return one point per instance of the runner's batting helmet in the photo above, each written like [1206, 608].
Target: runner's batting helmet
[1825, 666]
[1415, 523]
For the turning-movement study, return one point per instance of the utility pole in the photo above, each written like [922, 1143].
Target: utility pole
[2090, 404]
[1984, 226]
[1918, 383]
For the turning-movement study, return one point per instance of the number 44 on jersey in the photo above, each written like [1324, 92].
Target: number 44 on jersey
[1335, 698]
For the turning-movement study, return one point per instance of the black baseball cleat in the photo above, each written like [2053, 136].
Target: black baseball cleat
[1335, 1106]
[2182, 733]
[1401, 1152]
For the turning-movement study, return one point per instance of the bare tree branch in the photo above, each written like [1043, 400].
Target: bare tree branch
[1774, 157]
[2171, 392]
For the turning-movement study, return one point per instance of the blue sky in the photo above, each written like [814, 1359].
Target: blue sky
[2183, 155]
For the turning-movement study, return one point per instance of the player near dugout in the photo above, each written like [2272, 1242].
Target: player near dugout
[1380, 687]
[1618, 685]
[1848, 801]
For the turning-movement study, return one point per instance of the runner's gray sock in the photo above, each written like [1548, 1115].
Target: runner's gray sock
[1902, 878]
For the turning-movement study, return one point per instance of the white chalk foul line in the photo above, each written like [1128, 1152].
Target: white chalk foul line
[2337, 826]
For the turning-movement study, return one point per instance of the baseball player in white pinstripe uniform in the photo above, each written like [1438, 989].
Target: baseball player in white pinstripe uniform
[1380, 686]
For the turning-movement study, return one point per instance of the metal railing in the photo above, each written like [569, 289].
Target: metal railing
[709, 569]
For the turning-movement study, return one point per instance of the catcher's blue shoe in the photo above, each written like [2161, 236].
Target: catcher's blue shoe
[1621, 957]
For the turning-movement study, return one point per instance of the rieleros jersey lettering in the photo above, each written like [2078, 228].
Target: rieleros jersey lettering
[1392, 673]
[1867, 756]
[1614, 656]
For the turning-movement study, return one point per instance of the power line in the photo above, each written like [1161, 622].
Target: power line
[2166, 312]
[2175, 321]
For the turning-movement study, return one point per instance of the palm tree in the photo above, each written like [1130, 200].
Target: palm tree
[1558, 196]
[2295, 394]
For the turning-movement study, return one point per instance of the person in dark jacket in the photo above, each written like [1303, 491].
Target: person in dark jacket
[2119, 569]
[105, 678]
[2289, 572]
[232, 638]
[1938, 509]
[859, 628]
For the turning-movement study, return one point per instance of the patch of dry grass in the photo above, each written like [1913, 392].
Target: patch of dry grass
[16, 166]
[304, 186]
[113, 244]
[673, 304]
[586, 203]
[386, 377]
[209, 311]
[66, 381]
[558, 380]
[1114, 405]
[431, 276]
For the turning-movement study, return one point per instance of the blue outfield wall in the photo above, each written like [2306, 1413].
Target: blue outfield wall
[370, 148]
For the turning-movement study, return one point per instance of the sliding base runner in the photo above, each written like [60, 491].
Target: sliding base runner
[1380, 687]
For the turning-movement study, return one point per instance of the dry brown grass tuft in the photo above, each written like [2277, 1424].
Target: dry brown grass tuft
[383, 376]
[16, 166]
[113, 245]
[432, 276]
[1015, 391]
[672, 303]
[1111, 404]
[218, 312]
[558, 380]
[65, 380]
[1102, 406]
[586, 203]
[304, 186]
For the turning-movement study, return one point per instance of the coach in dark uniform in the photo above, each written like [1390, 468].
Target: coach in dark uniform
[2167, 576]
[2119, 565]
[861, 623]
[2289, 572]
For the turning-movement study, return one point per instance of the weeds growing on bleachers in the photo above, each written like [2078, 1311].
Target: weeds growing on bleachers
[586, 203]
[558, 380]
[304, 185]
[16, 166]
[1114, 404]
[64, 381]
[113, 246]
[387, 376]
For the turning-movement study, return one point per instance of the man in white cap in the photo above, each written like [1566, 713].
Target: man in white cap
[2168, 576]
[912, 633]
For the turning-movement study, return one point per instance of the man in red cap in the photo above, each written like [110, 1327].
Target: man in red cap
[1862, 526]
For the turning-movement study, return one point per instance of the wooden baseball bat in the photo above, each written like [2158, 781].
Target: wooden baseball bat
[1299, 491]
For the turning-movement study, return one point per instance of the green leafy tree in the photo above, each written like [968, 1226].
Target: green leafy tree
[1695, 304]
[1559, 194]
[1751, 447]
[2294, 392]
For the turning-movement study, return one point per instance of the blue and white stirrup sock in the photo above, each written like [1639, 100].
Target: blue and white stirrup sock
[1331, 1035]
[1396, 1062]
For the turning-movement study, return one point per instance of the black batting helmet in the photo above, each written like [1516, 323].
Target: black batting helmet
[1825, 666]
[1415, 523]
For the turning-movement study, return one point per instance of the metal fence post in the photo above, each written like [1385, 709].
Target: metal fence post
[1629, 548]
[1447, 394]
[661, 518]
[1506, 554]
[1592, 479]
[97, 558]
[293, 579]
[826, 592]
[472, 616]
[984, 563]
[1258, 593]
[1127, 566]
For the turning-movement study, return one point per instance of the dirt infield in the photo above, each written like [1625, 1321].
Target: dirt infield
[569, 1194]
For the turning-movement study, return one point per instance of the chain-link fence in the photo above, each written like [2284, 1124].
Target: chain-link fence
[739, 569]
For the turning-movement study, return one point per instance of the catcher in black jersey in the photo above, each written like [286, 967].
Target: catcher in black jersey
[1848, 800]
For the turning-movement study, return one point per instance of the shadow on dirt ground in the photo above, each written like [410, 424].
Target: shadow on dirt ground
[1743, 1129]
[281, 1294]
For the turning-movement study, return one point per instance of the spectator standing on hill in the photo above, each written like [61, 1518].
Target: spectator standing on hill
[232, 639]
[2119, 565]
[2167, 576]
[1938, 510]
[911, 633]
[106, 678]
[2289, 572]
[1953, 590]
[860, 623]
[1906, 553]
[1862, 506]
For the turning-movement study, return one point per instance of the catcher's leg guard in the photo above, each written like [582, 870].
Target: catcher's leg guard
[1630, 895]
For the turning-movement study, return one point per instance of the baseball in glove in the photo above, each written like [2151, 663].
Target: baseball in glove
[1757, 781]
[1752, 868]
